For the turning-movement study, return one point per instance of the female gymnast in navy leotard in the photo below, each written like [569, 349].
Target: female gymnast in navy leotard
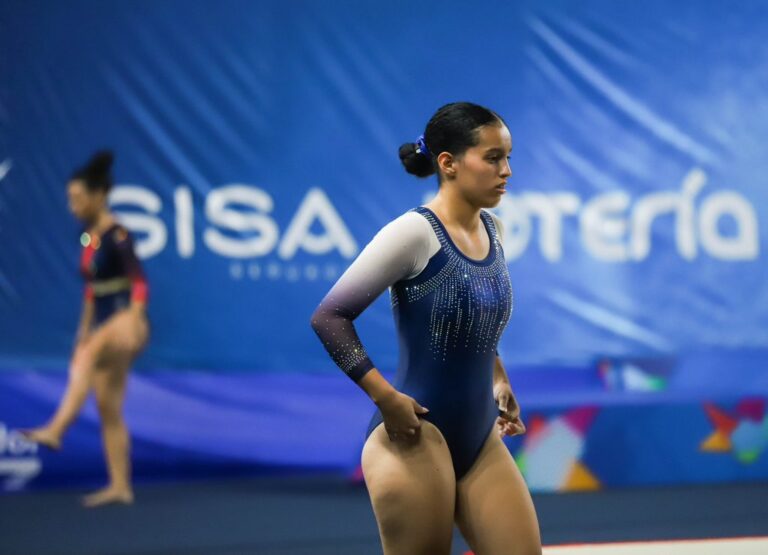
[113, 328]
[433, 454]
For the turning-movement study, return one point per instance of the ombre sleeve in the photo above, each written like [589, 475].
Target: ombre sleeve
[400, 250]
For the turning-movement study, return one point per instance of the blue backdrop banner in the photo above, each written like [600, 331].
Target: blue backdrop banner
[256, 149]
[257, 146]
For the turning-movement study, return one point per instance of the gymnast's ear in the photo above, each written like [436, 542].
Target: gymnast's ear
[447, 164]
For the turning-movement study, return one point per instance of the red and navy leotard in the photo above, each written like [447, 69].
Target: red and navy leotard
[112, 272]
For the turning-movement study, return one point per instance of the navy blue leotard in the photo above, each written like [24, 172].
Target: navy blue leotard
[450, 311]
[112, 272]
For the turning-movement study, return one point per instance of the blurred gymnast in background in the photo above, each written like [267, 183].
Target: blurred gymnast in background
[433, 454]
[113, 328]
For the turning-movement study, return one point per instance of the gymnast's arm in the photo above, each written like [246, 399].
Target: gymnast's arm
[400, 250]
[131, 267]
[510, 423]
[499, 372]
[86, 316]
[500, 377]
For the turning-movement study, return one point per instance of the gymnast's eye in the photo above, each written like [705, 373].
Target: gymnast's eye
[498, 158]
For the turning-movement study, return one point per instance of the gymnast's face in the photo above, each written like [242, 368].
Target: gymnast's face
[84, 204]
[481, 172]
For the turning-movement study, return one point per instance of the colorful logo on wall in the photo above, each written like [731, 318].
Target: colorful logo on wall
[550, 458]
[744, 432]
[19, 461]
[646, 376]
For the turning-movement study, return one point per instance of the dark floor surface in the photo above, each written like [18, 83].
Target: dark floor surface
[326, 516]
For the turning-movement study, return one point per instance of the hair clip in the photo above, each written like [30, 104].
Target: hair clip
[421, 147]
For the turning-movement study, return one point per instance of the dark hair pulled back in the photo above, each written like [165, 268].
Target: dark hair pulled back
[453, 128]
[96, 174]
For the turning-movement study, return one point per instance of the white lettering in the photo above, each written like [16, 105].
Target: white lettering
[613, 227]
[317, 206]
[550, 209]
[185, 222]
[152, 226]
[744, 245]
[603, 230]
[218, 210]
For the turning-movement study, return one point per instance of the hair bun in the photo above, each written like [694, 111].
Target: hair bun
[100, 164]
[415, 163]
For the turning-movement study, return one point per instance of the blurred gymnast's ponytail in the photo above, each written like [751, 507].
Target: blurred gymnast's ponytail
[97, 173]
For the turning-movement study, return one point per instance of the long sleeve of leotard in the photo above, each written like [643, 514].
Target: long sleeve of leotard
[400, 250]
[131, 265]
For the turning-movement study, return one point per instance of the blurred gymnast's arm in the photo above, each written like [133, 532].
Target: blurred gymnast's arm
[86, 316]
[132, 269]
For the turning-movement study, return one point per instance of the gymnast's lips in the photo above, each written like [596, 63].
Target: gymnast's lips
[502, 188]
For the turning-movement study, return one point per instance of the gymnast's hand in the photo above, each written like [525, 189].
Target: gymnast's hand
[510, 423]
[401, 416]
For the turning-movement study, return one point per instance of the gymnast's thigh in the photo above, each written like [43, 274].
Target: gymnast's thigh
[494, 509]
[412, 488]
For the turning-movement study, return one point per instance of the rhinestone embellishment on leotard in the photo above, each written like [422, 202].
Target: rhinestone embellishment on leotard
[347, 354]
[470, 304]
